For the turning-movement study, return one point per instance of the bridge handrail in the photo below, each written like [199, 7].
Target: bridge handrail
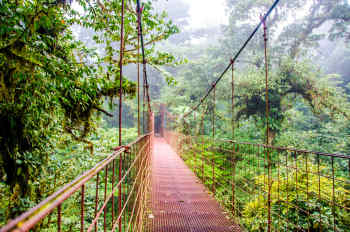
[245, 177]
[31, 217]
[338, 155]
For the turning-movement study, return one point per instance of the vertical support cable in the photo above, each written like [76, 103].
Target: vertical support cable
[82, 208]
[138, 72]
[233, 163]
[121, 74]
[333, 195]
[307, 190]
[143, 105]
[214, 96]
[201, 129]
[319, 192]
[126, 193]
[267, 127]
[233, 100]
[287, 189]
[120, 106]
[59, 218]
[120, 193]
[104, 200]
[113, 180]
[266, 86]
[278, 186]
[96, 199]
[143, 57]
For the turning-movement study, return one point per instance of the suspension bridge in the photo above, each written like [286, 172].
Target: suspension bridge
[171, 181]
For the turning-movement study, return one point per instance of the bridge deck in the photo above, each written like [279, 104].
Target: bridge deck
[179, 201]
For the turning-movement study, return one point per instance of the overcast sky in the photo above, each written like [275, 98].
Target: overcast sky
[203, 13]
[206, 13]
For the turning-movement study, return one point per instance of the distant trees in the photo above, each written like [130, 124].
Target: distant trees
[301, 74]
[295, 30]
[293, 25]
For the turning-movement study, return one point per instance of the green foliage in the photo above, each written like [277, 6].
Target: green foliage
[302, 195]
[291, 82]
[292, 37]
[294, 76]
[51, 84]
[68, 160]
[300, 210]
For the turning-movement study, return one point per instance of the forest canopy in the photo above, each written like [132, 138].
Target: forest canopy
[300, 38]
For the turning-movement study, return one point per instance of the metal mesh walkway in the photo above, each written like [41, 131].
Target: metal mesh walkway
[179, 201]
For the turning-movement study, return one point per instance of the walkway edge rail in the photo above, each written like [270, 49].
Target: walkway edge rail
[30, 218]
[309, 189]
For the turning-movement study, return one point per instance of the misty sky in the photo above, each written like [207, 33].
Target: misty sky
[206, 13]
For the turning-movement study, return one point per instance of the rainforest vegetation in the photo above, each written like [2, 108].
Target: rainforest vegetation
[59, 75]
[309, 109]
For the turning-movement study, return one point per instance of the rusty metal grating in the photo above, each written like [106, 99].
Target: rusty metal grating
[179, 201]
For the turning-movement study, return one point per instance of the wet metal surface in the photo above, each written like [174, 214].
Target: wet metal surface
[179, 201]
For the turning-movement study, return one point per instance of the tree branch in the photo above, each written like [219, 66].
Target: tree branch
[103, 111]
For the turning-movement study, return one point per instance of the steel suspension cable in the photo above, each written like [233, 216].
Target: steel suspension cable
[143, 104]
[120, 106]
[138, 75]
[267, 128]
[234, 58]
[139, 11]
[233, 100]
[266, 86]
[214, 103]
[121, 73]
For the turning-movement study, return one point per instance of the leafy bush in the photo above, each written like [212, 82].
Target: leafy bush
[297, 204]
[301, 198]
[69, 160]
